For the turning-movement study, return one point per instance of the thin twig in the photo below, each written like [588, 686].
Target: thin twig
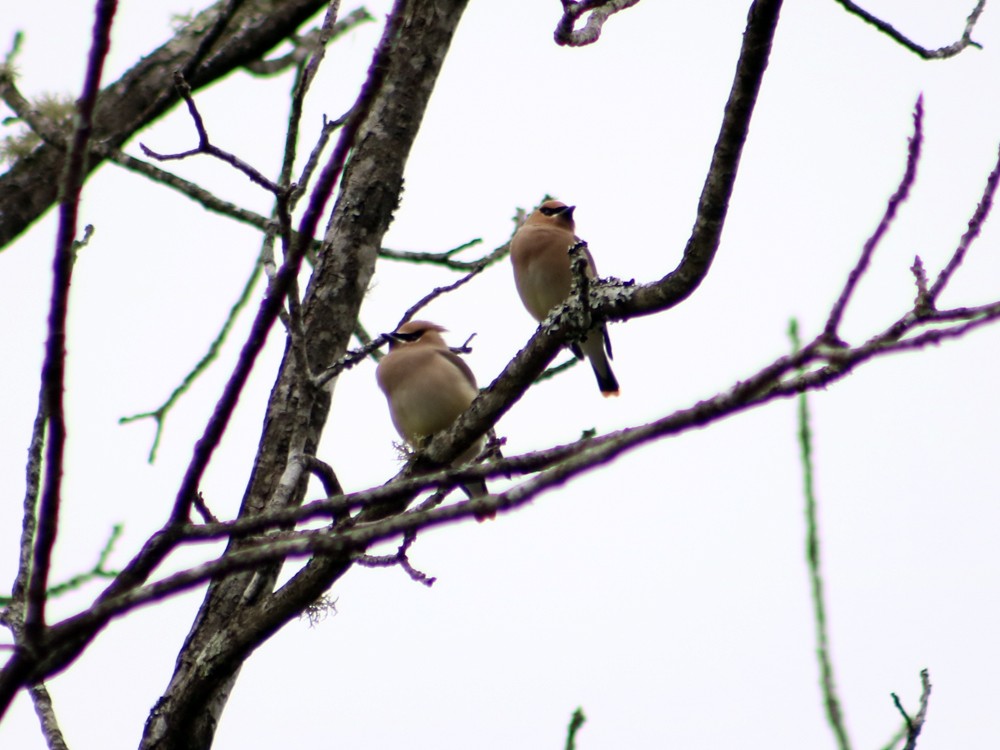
[53, 368]
[446, 258]
[975, 227]
[349, 360]
[599, 10]
[556, 370]
[304, 45]
[203, 510]
[159, 545]
[98, 571]
[834, 713]
[896, 738]
[927, 54]
[44, 127]
[15, 49]
[365, 338]
[205, 146]
[576, 721]
[437, 292]
[897, 199]
[159, 415]
[207, 200]
[272, 303]
[289, 195]
[303, 80]
[400, 558]
[916, 724]
[764, 387]
[324, 473]
[921, 302]
[33, 474]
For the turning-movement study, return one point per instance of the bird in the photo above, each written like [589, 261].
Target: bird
[539, 254]
[427, 386]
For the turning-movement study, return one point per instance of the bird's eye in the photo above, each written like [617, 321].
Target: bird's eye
[549, 210]
[404, 338]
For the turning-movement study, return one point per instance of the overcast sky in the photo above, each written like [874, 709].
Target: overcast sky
[666, 594]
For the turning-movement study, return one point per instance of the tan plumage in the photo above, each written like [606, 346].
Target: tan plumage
[539, 252]
[427, 386]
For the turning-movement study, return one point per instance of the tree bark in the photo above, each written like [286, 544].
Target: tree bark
[239, 612]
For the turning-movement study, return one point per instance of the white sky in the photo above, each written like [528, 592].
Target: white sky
[665, 594]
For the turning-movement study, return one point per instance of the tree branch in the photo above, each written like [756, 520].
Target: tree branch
[831, 702]
[940, 53]
[145, 92]
[897, 199]
[618, 301]
[916, 724]
[159, 414]
[53, 368]
[599, 10]
[369, 192]
[205, 145]
[812, 367]
[46, 713]
[975, 227]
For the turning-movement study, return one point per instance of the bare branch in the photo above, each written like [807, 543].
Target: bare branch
[329, 126]
[325, 473]
[921, 303]
[897, 199]
[205, 145]
[286, 195]
[446, 258]
[272, 303]
[350, 359]
[940, 53]
[306, 44]
[576, 721]
[916, 724]
[159, 414]
[599, 10]
[834, 713]
[620, 301]
[53, 368]
[98, 571]
[305, 74]
[140, 96]
[33, 475]
[400, 558]
[15, 49]
[437, 292]
[265, 535]
[196, 193]
[975, 227]
[787, 376]
[557, 370]
[42, 702]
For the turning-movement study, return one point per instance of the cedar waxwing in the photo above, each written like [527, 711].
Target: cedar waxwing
[427, 386]
[539, 252]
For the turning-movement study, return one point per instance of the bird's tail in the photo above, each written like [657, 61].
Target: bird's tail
[597, 348]
[477, 488]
